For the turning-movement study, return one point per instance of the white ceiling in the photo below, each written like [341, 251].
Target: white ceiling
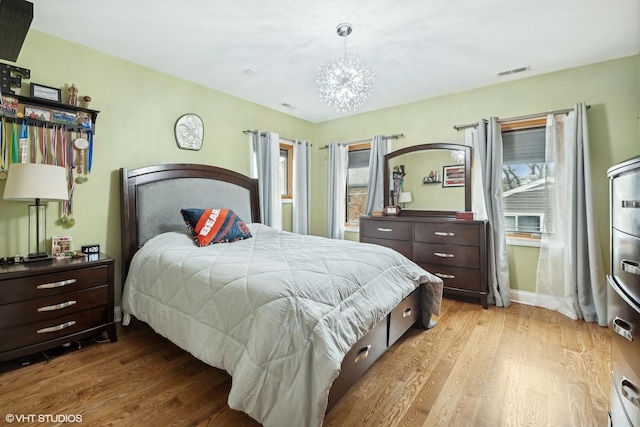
[418, 48]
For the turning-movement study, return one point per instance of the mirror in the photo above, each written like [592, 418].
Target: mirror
[429, 179]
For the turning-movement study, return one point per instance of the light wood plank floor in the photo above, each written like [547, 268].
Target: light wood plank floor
[521, 366]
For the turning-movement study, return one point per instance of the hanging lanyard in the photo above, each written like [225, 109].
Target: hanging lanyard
[14, 145]
[24, 142]
[3, 145]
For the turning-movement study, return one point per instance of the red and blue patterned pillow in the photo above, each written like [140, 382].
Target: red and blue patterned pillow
[209, 226]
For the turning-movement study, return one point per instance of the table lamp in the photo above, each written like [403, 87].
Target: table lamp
[405, 197]
[35, 181]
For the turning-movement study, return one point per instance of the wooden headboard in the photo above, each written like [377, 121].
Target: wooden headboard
[151, 198]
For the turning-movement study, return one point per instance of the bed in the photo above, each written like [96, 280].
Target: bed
[295, 320]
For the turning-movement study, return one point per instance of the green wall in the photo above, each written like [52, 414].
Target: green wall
[611, 88]
[139, 108]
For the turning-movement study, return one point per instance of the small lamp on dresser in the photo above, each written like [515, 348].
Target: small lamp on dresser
[39, 182]
[404, 198]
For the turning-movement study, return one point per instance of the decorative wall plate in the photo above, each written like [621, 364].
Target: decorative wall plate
[189, 132]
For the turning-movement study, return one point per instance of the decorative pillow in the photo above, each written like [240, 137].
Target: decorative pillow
[209, 226]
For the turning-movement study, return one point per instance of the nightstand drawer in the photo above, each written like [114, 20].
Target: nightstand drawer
[452, 255]
[36, 310]
[43, 285]
[50, 329]
[453, 233]
[381, 229]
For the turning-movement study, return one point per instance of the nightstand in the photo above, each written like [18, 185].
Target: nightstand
[45, 304]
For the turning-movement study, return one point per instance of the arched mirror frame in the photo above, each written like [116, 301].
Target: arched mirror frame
[426, 147]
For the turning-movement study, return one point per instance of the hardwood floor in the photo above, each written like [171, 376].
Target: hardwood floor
[497, 367]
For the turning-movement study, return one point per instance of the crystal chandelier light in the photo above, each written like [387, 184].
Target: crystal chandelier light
[345, 82]
[457, 156]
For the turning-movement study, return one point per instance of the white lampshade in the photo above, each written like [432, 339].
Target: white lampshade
[29, 181]
[405, 197]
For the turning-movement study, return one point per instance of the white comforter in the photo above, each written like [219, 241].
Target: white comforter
[277, 311]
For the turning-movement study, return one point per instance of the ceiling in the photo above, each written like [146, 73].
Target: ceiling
[418, 49]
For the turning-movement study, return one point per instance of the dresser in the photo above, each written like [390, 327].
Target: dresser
[454, 250]
[624, 292]
[45, 304]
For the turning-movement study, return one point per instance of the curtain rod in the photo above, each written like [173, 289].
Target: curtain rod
[281, 137]
[517, 118]
[395, 136]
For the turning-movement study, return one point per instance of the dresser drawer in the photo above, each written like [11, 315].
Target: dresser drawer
[38, 286]
[381, 229]
[35, 310]
[452, 255]
[400, 246]
[625, 202]
[626, 384]
[458, 233]
[457, 277]
[624, 322]
[404, 316]
[38, 332]
[625, 262]
[361, 356]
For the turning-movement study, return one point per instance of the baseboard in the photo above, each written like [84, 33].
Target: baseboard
[117, 314]
[523, 297]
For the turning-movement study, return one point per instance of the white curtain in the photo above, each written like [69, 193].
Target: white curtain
[489, 147]
[477, 189]
[337, 190]
[301, 186]
[375, 196]
[570, 276]
[266, 146]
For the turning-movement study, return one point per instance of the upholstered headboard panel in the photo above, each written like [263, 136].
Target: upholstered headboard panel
[151, 199]
[159, 203]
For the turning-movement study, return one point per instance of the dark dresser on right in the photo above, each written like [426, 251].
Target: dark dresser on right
[624, 293]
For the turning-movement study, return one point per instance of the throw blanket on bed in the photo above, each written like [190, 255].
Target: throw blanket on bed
[277, 311]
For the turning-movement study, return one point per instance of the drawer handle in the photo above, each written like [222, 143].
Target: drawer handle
[57, 306]
[630, 392]
[443, 255]
[445, 276]
[407, 312]
[57, 327]
[622, 328]
[631, 204]
[57, 284]
[362, 354]
[630, 266]
[384, 229]
[444, 233]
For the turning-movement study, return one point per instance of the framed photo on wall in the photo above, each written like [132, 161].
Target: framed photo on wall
[453, 176]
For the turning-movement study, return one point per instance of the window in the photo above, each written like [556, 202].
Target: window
[286, 171]
[523, 180]
[357, 182]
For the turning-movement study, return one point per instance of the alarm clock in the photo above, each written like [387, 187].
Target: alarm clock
[90, 249]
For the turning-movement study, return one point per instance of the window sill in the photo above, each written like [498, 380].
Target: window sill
[286, 201]
[352, 228]
[520, 241]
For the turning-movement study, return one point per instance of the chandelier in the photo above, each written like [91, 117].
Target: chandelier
[457, 156]
[345, 82]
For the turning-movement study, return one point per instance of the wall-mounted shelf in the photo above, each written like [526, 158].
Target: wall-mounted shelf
[52, 109]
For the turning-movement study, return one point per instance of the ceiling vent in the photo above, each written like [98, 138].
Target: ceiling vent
[15, 19]
[514, 71]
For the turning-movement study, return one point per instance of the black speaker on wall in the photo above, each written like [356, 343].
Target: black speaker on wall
[15, 19]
